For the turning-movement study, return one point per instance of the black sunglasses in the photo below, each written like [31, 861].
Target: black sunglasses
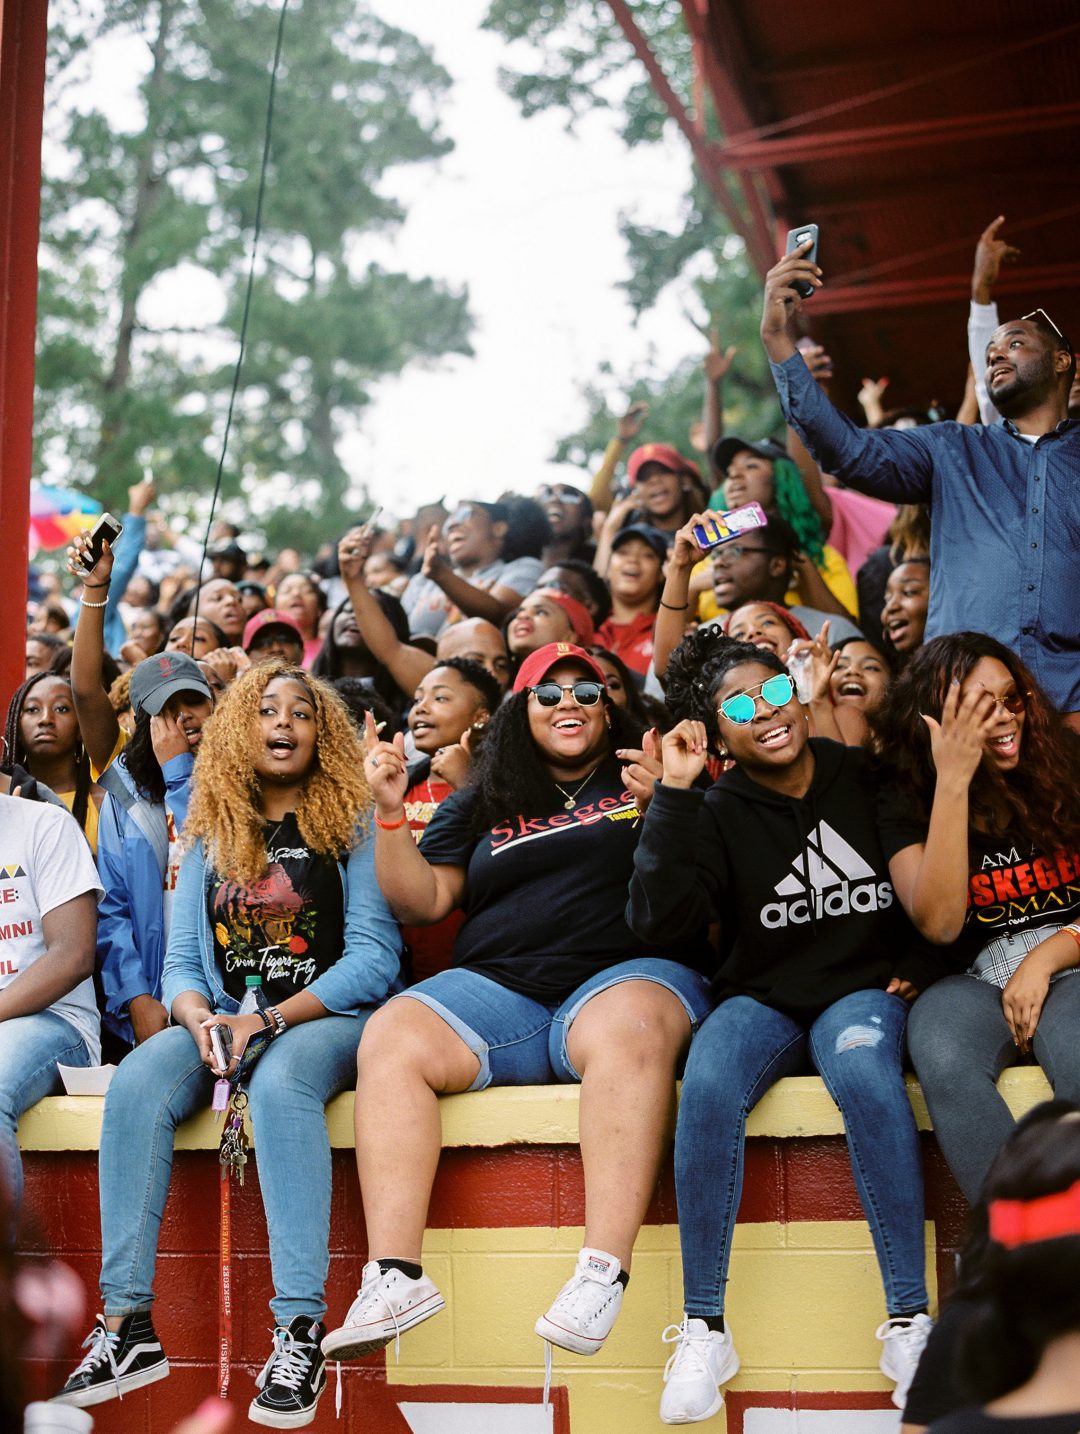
[585, 693]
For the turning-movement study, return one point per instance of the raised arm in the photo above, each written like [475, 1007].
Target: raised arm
[674, 611]
[679, 863]
[629, 426]
[417, 894]
[128, 548]
[494, 603]
[97, 721]
[931, 879]
[406, 664]
[894, 465]
[716, 366]
[990, 253]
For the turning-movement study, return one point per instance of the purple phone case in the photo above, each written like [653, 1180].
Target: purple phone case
[736, 521]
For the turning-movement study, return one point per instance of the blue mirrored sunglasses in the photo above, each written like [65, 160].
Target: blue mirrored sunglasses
[776, 691]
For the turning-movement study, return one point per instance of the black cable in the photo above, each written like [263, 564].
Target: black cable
[257, 230]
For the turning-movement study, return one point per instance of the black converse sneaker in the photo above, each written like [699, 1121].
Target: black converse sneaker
[115, 1363]
[292, 1378]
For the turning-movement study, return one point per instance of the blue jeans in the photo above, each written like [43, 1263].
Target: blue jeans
[31, 1047]
[519, 1041]
[960, 1043]
[163, 1082]
[744, 1048]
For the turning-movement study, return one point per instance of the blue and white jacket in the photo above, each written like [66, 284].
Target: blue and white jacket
[131, 915]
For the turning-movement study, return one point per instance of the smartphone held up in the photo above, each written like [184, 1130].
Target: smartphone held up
[106, 530]
[804, 234]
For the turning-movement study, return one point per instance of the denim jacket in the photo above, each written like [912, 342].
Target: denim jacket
[364, 975]
[131, 916]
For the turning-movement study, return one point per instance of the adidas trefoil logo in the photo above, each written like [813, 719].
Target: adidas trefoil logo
[829, 879]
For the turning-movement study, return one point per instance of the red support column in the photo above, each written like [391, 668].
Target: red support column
[22, 86]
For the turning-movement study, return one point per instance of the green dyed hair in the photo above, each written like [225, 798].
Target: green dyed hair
[792, 503]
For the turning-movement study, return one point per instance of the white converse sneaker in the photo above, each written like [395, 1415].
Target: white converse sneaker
[386, 1306]
[587, 1305]
[904, 1341]
[704, 1359]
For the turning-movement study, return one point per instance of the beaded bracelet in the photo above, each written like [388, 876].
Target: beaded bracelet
[84, 603]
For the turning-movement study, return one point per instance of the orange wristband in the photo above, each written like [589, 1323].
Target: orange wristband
[391, 826]
[1074, 932]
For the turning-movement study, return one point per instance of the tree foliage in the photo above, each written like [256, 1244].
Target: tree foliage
[167, 207]
[575, 59]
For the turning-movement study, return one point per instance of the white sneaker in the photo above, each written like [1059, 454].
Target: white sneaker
[704, 1359]
[384, 1308]
[587, 1305]
[904, 1341]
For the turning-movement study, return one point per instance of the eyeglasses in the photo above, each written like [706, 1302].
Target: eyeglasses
[1014, 702]
[731, 551]
[584, 693]
[560, 495]
[1035, 313]
[457, 518]
[775, 691]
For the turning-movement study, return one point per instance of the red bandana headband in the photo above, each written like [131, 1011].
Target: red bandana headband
[1024, 1222]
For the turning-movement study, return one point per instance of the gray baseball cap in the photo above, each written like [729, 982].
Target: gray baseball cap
[156, 679]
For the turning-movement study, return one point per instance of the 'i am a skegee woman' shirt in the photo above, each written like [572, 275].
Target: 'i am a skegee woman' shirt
[545, 896]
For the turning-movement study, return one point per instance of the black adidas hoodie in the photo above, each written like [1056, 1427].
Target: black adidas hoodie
[800, 887]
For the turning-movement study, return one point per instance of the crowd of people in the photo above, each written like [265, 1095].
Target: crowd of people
[553, 789]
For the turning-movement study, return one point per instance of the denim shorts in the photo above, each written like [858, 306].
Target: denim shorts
[519, 1041]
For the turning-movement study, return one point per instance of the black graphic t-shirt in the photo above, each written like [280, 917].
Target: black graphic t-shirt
[545, 896]
[288, 927]
[1014, 889]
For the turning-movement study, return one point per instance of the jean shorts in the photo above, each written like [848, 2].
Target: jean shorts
[519, 1041]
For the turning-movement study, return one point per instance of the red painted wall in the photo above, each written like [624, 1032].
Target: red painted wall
[786, 1180]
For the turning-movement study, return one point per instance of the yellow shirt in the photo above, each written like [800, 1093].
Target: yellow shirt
[834, 571]
[90, 829]
[121, 743]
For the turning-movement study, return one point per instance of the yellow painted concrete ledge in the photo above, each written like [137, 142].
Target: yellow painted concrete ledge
[512, 1115]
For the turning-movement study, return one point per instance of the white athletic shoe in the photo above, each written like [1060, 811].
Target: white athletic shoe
[703, 1360]
[904, 1341]
[385, 1307]
[587, 1305]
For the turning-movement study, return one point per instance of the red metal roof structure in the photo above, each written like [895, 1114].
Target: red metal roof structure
[902, 128]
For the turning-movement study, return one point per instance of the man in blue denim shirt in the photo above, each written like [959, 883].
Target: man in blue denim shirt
[998, 565]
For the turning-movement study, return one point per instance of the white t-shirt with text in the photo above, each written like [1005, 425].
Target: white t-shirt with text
[44, 862]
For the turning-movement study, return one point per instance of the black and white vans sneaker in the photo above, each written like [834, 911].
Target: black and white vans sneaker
[115, 1364]
[292, 1378]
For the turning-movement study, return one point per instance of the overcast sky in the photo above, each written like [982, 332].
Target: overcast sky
[522, 212]
[527, 216]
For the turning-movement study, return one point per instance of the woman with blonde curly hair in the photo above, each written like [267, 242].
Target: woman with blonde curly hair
[278, 881]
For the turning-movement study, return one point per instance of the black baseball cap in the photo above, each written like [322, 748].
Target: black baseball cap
[726, 449]
[655, 540]
[156, 679]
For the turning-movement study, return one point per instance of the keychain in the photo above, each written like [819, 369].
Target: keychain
[234, 1142]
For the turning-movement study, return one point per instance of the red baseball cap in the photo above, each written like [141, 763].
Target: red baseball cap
[577, 612]
[539, 663]
[270, 617]
[661, 453]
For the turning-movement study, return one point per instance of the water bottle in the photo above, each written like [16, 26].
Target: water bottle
[798, 664]
[254, 996]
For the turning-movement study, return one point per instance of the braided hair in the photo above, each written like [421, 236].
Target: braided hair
[15, 752]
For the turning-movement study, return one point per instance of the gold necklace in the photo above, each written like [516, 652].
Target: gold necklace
[571, 797]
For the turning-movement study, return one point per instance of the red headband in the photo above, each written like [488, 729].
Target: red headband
[1024, 1222]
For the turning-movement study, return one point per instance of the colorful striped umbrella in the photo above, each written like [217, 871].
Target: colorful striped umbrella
[57, 514]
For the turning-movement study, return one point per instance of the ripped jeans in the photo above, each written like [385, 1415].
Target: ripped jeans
[741, 1050]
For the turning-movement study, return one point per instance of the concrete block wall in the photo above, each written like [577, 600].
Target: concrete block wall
[506, 1222]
